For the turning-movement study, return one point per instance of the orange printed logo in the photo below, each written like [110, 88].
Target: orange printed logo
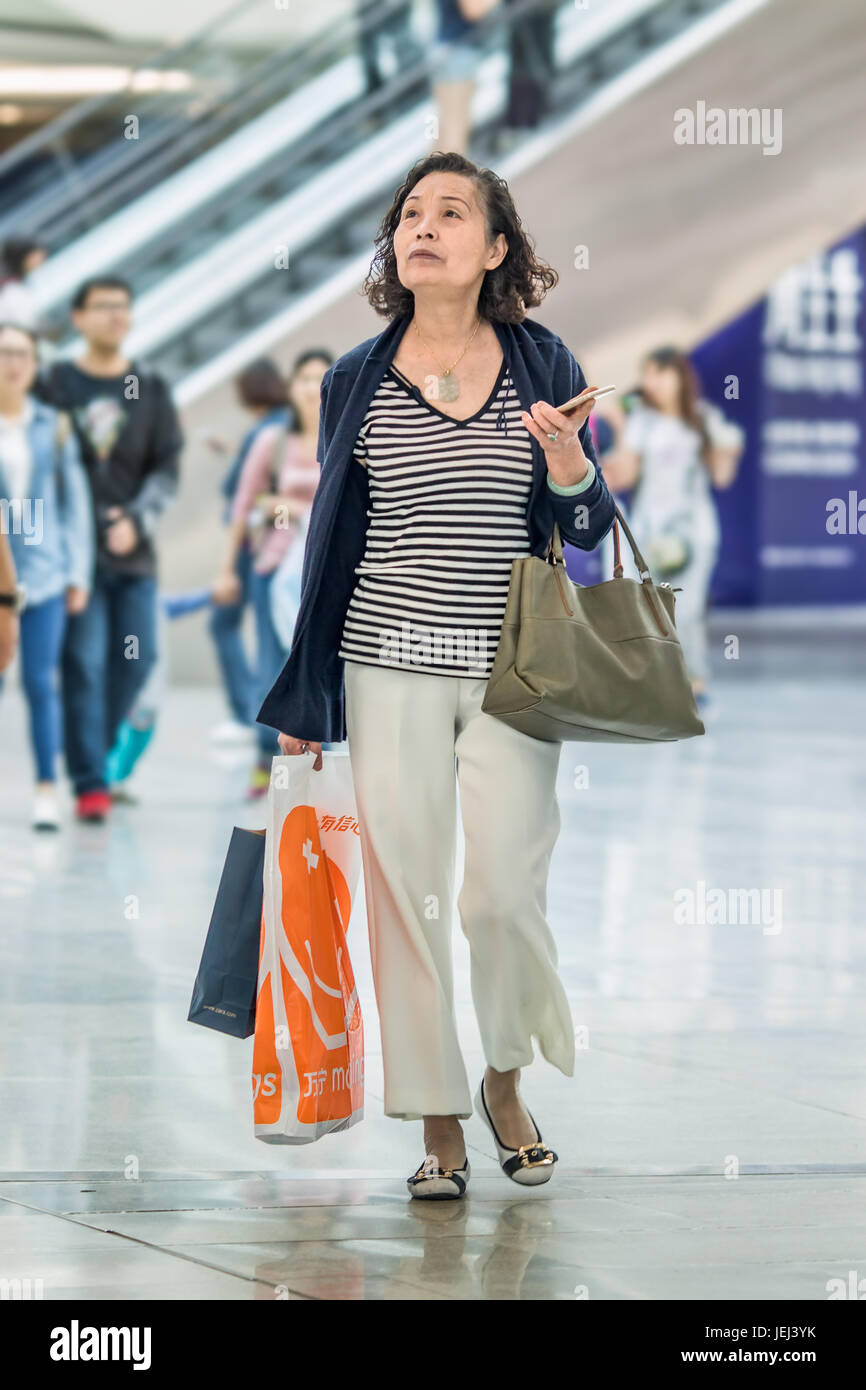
[322, 1009]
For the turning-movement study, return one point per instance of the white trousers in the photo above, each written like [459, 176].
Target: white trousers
[405, 731]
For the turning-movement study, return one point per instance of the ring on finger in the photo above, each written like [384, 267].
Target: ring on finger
[553, 437]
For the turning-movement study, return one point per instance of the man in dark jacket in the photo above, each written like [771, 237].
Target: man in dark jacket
[130, 440]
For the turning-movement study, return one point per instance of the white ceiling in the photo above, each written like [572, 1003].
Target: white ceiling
[48, 30]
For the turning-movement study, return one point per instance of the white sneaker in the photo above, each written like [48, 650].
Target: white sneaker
[232, 731]
[45, 813]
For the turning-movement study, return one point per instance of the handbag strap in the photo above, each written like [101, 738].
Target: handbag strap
[554, 545]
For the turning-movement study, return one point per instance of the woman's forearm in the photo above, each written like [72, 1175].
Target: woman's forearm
[621, 468]
[8, 577]
[722, 466]
[236, 533]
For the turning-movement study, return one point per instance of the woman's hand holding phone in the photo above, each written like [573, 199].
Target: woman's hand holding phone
[588, 396]
[557, 430]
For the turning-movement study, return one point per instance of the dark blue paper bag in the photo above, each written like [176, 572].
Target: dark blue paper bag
[224, 995]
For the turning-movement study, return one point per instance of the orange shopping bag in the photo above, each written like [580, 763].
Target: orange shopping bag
[308, 1055]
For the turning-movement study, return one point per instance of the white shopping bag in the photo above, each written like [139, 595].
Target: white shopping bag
[308, 1056]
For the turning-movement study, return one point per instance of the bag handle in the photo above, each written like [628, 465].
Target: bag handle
[554, 545]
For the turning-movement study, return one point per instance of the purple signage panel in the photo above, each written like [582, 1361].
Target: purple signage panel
[794, 524]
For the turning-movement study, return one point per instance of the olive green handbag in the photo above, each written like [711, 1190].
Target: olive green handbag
[594, 664]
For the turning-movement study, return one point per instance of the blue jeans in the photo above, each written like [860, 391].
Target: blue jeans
[270, 657]
[103, 670]
[225, 628]
[42, 628]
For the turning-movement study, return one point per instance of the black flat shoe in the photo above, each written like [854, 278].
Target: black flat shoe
[438, 1184]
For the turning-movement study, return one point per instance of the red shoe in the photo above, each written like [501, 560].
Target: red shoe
[260, 780]
[93, 806]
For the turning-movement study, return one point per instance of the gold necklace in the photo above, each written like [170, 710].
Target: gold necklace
[447, 387]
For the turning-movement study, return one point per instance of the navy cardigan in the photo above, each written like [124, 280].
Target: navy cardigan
[307, 699]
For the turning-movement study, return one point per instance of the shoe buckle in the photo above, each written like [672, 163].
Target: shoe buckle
[534, 1155]
[432, 1170]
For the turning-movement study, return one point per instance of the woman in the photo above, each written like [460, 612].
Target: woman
[275, 489]
[261, 392]
[46, 512]
[443, 460]
[20, 256]
[673, 449]
[457, 56]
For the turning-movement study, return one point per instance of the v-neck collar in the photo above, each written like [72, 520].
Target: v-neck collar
[417, 394]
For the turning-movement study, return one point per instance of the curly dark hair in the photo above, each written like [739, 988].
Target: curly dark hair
[517, 285]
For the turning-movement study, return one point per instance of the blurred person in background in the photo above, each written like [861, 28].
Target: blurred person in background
[380, 27]
[20, 257]
[130, 439]
[671, 449]
[443, 461]
[262, 393]
[275, 489]
[457, 56]
[11, 598]
[530, 51]
[47, 503]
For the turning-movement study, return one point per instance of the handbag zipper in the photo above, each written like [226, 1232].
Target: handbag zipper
[570, 611]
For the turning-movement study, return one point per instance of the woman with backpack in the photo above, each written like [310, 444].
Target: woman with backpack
[280, 474]
[46, 513]
[262, 395]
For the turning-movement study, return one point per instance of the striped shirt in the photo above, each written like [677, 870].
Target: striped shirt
[447, 518]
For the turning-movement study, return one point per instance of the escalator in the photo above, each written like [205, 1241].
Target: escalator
[75, 172]
[234, 244]
[680, 239]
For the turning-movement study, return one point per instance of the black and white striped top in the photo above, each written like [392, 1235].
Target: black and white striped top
[447, 518]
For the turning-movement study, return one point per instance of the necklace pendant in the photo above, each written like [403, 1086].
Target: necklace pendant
[448, 388]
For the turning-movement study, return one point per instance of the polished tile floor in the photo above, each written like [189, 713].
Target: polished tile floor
[713, 1139]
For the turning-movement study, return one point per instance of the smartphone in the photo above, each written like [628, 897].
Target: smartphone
[583, 398]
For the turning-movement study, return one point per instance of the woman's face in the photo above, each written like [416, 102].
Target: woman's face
[17, 361]
[306, 385]
[441, 238]
[662, 385]
[34, 259]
